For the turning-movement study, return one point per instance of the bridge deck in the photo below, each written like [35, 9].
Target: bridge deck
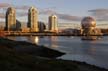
[43, 34]
[36, 34]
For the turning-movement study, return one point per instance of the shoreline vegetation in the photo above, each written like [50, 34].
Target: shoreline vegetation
[25, 56]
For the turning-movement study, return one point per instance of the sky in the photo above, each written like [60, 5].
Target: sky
[66, 10]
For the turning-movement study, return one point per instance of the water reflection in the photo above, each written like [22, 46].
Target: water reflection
[52, 41]
[11, 38]
[34, 39]
[90, 38]
[20, 38]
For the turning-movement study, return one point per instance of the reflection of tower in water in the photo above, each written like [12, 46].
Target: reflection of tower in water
[53, 41]
[34, 39]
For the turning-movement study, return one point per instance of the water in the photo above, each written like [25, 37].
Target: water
[92, 52]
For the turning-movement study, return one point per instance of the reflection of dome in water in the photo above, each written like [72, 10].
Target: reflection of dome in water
[88, 22]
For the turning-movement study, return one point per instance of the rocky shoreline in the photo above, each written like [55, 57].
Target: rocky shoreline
[24, 56]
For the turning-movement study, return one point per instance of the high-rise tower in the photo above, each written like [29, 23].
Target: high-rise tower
[10, 19]
[33, 20]
[53, 23]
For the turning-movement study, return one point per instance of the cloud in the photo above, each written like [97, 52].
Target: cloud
[17, 8]
[47, 11]
[6, 5]
[100, 14]
[2, 15]
[68, 17]
[3, 5]
[21, 14]
[60, 15]
[22, 7]
[18, 12]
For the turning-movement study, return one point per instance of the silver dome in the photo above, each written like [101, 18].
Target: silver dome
[88, 22]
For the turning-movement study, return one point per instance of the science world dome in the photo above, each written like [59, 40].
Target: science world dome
[88, 22]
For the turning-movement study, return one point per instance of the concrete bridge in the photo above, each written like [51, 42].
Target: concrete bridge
[44, 34]
[19, 33]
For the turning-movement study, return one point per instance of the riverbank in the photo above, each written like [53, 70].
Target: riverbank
[24, 56]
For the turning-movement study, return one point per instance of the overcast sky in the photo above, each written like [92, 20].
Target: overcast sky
[66, 10]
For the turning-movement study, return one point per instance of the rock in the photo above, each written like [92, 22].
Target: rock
[30, 48]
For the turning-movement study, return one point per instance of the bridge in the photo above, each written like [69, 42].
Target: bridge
[19, 33]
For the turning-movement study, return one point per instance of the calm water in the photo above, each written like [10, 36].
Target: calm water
[92, 52]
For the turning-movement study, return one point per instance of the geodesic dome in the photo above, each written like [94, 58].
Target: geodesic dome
[88, 22]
